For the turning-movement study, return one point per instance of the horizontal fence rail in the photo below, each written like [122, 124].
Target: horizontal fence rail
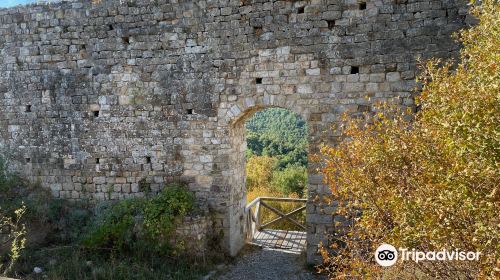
[254, 217]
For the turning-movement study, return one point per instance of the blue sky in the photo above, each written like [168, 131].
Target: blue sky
[11, 3]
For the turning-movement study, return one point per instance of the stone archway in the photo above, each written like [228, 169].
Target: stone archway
[237, 174]
[317, 216]
[299, 90]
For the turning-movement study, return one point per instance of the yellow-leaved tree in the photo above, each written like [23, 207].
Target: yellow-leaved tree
[260, 172]
[430, 183]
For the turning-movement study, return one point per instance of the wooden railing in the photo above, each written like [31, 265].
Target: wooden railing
[254, 217]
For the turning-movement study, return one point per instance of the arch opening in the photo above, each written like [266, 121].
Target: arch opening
[269, 150]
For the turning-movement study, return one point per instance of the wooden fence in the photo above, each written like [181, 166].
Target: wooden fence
[254, 213]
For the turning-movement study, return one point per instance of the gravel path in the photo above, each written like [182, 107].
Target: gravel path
[268, 264]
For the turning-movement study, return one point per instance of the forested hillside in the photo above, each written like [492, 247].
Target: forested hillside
[278, 133]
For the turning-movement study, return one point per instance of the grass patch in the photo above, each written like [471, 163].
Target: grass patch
[76, 263]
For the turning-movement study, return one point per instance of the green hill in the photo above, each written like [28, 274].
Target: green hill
[278, 133]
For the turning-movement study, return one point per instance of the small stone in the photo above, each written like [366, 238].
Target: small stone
[313, 72]
[37, 270]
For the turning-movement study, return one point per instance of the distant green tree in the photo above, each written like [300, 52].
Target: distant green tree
[292, 179]
[278, 133]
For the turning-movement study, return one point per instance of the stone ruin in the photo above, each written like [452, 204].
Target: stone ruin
[107, 100]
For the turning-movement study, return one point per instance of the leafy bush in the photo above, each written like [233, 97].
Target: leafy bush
[161, 212]
[114, 227]
[139, 223]
[432, 183]
[263, 173]
[292, 179]
[48, 220]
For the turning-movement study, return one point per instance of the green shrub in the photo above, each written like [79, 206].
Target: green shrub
[51, 220]
[259, 171]
[292, 179]
[161, 212]
[140, 224]
[13, 190]
[113, 227]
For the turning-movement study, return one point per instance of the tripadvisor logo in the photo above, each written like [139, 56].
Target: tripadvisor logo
[387, 255]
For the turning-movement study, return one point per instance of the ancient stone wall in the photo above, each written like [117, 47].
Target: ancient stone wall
[191, 236]
[107, 101]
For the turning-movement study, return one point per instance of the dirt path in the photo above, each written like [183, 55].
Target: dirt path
[268, 264]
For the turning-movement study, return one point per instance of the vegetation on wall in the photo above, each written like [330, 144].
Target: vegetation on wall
[431, 183]
[129, 239]
[140, 224]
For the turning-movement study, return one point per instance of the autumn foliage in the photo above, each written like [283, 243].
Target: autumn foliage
[264, 179]
[428, 183]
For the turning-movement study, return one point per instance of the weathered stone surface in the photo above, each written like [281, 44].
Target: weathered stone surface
[108, 101]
